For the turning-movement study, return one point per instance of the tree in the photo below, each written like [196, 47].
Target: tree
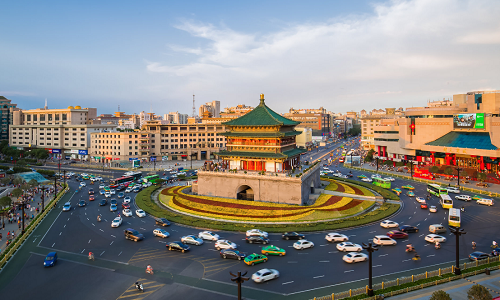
[160, 181]
[25, 186]
[448, 171]
[17, 180]
[354, 131]
[33, 183]
[5, 201]
[478, 292]
[5, 180]
[369, 155]
[481, 176]
[434, 169]
[17, 192]
[440, 295]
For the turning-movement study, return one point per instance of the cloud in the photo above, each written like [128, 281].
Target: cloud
[412, 47]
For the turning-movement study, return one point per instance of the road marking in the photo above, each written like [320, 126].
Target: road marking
[64, 225]
[406, 260]
[376, 266]
[323, 245]
[60, 233]
[89, 241]
[143, 221]
[405, 241]
[409, 218]
[68, 219]
[351, 235]
[82, 251]
[333, 252]
[421, 235]
[426, 245]
[111, 243]
[418, 224]
[444, 218]
[383, 255]
[128, 223]
[425, 219]
[102, 252]
[324, 261]
[34, 240]
[53, 245]
[318, 276]
[162, 242]
[302, 253]
[120, 253]
[429, 214]
[213, 249]
[373, 231]
[101, 230]
[290, 246]
[414, 212]
[174, 230]
[430, 255]
[348, 271]
[113, 236]
[88, 219]
[93, 224]
[85, 213]
[287, 282]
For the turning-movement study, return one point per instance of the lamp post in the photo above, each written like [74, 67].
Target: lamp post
[458, 175]
[457, 231]
[64, 174]
[43, 199]
[370, 248]
[239, 279]
[23, 203]
[55, 187]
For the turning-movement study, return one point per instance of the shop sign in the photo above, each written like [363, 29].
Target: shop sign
[56, 151]
[83, 152]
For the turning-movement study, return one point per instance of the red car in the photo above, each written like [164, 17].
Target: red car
[125, 205]
[397, 234]
[423, 205]
[91, 198]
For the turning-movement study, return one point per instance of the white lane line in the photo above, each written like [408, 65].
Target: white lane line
[60, 233]
[101, 230]
[431, 255]
[444, 218]
[414, 212]
[34, 240]
[174, 230]
[68, 219]
[53, 245]
[324, 261]
[82, 251]
[409, 218]
[302, 253]
[421, 235]
[89, 241]
[113, 236]
[418, 224]
[120, 253]
[88, 219]
[425, 219]
[426, 245]
[318, 276]
[323, 245]
[376, 266]
[93, 224]
[348, 271]
[373, 231]
[105, 220]
[213, 249]
[128, 223]
[143, 221]
[162, 242]
[290, 246]
[429, 214]
[102, 252]
[333, 252]
[111, 243]
[85, 213]
[406, 260]
[142, 228]
[383, 255]
[64, 226]
[351, 235]
[287, 282]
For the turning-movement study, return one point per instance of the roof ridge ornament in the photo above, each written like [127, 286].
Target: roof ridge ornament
[262, 99]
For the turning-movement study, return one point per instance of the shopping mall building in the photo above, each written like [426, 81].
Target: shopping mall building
[465, 133]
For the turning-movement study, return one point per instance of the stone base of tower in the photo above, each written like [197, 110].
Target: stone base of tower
[252, 186]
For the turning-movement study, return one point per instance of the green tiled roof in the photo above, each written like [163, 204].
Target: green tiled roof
[286, 154]
[260, 134]
[261, 116]
[470, 140]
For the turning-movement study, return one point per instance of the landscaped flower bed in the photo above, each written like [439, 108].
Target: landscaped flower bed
[348, 188]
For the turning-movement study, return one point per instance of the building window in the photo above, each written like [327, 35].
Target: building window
[28, 118]
[42, 118]
[35, 118]
[57, 117]
[64, 117]
[50, 117]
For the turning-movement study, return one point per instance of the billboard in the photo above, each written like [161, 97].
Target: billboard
[136, 163]
[464, 121]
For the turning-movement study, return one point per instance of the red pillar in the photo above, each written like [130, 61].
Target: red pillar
[433, 158]
[481, 163]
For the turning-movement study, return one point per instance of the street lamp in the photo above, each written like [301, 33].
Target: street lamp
[351, 159]
[239, 279]
[457, 231]
[43, 199]
[370, 248]
[458, 175]
[23, 203]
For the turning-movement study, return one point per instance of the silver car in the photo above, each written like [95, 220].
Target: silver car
[191, 239]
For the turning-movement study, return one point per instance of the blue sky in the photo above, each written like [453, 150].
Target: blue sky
[342, 55]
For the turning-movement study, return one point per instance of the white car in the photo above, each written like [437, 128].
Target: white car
[257, 232]
[140, 213]
[366, 179]
[383, 240]
[99, 178]
[101, 186]
[128, 190]
[126, 199]
[348, 246]
[127, 212]
[336, 237]
[161, 233]
[224, 244]
[463, 197]
[82, 184]
[67, 206]
[265, 275]
[354, 257]
[389, 224]
[433, 209]
[85, 175]
[303, 244]
[191, 239]
[342, 176]
[390, 178]
[420, 200]
[107, 194]
[208, 235]
[112, 191]
[116, 222]
[453, 190]
[376, 176]
[432, 238]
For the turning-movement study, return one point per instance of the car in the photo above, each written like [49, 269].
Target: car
[233, 254]
[361, 176]
[453, 190]
[432, 238]
[383, 240]
[376, 176]
[495, 252]
[485, 201]
[349, 246]
[140, 213]
[273, 250]
[121, 188]
[303, 244]
[463, 197]
[91, 197]
[410, 194]
[408, 187]
[257, 232]
[91, 191]
[433, 209]
[292, 236]
[366, 179]
[103, 202]
[134, 235]
[354, 257]
[256, 239]
[208, 235]
[127, 212]
[397, 191]
[476, 197]
[390, 178]
[82, 203]
[395, 234]
[116, 222]
[82, 184]
[265, 275]
[102, 192]
[255, 258]
[136, 189]
[121, 195]
[336, 237]
[113, 207]
[113, 201]
[423, 205]
[127, 199]
[178, 246]
[107, 189]
[161, 233]
[50, 260]
[192, 239]
[112, 191]
[101, 186]
[67, 206]
[224, 244]
[389, 224]
[162, 222]
[128, 189]
[125, 205]
[107, 195]
[478, 255]
[420, 199]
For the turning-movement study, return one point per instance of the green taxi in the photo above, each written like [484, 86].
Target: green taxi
[361, 176]
[410, 194]
[476, 197]
[107, 189]
[397, 191]
[408, 187]
[255, 258]
[273, 250]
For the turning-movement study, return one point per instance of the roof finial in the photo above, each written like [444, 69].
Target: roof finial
[262, 99]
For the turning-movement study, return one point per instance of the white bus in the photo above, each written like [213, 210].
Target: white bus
[454, 217]
[445, 201]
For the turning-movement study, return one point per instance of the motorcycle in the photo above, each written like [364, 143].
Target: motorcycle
[139, 287]
[410, 249]
[437, 246]
[98, 218]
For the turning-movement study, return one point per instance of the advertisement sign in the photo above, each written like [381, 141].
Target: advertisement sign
[136, 163]
[73, 151]
[56, 151]
[464, 121]
[83, 152]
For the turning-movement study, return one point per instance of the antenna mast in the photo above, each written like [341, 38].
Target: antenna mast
[194, 109]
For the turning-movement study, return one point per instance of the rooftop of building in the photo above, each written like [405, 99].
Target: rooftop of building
[471, 140]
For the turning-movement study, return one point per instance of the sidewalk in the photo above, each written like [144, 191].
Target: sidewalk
[457, 289]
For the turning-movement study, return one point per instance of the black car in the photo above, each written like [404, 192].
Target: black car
[233, 254]
[132, 234]
[103, 202]
[293, 236]
[91, 191]
[178, 246]
[478, 255]
[82, 203]
[113, 201]
[162, 222]
[408, 228]
[121, 188]
[256, 239]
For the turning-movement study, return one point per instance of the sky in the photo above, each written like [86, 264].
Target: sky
[340, 55]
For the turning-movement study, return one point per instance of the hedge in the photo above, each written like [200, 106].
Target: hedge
[383, 192]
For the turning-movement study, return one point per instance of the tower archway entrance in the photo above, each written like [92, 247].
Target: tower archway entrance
[245, 192]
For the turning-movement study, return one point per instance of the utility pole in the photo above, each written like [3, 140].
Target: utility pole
[22, 205]
[239, 279]
[370, 248]
[43, 199]
[64, 177]
[457, 231]
[458, 175]
[55, 187]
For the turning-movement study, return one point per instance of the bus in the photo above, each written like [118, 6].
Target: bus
[151, 178]
[122, 180]
[384, 183]
[445, 201]
[454, 217]
[135, 175]
[436, 190]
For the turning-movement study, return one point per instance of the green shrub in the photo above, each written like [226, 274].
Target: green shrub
[434, 169]
[478, 292]
[440, 295]
[448, 171]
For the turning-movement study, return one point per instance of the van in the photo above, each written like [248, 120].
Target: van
[132, 234]
[437, 228]
[488, 202]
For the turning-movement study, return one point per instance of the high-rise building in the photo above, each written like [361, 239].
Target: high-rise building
[5, 117]
[316, 119]
[212, 107]
[176, 118]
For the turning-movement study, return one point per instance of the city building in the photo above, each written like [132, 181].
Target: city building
[304, 139]
[5, 116]
[235, 111]
[464, 134]
[374, 118]
[212, 107]
[261, 151]
[64, 132]
[176, 118]
[316, 119]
